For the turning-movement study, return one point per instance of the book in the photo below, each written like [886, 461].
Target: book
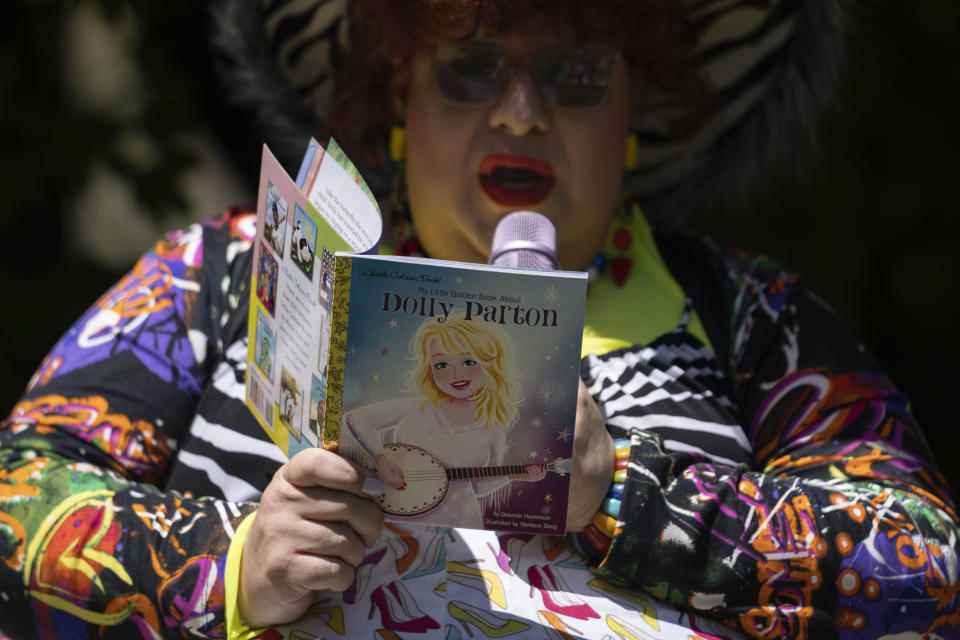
[456, 383]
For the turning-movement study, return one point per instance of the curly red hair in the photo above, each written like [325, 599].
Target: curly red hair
[385, 34]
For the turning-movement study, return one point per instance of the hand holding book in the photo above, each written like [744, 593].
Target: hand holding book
[314, 525]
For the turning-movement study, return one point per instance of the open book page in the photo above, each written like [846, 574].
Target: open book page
[342, 197]
[291, 288]
[457, 384]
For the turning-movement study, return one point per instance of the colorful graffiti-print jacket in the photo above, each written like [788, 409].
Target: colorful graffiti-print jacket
[776, 481]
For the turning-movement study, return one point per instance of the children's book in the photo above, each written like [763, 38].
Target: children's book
[455, 383]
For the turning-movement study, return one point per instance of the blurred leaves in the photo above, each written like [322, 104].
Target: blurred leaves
[52, 140]
[53, 132]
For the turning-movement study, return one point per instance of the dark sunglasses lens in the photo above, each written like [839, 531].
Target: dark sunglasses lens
[469, 73]
[574, 78]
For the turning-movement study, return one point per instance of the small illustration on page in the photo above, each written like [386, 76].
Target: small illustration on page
[326, 275]
[266, 346]
[267, 281]
[290, 402]
[275, 220]
[303, 241]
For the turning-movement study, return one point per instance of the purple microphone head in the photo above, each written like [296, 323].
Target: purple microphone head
[525, 239]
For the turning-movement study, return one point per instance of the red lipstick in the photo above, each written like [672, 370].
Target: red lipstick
[515, 181]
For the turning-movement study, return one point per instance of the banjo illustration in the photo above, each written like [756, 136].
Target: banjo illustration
[427, 479]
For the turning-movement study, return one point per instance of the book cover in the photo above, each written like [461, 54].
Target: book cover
[457, 384]
[300, 225]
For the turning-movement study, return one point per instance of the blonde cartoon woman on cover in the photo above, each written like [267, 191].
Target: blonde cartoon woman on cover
[466, 397]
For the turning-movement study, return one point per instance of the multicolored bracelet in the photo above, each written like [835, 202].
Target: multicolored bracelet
[594, 542]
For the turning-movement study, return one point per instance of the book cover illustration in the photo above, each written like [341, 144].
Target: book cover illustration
[457, 384]
[300, 225]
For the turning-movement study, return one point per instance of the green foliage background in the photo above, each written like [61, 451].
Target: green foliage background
[872, 225]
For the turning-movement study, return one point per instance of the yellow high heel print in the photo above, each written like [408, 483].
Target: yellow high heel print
[625, 630]
[495, 589]
[332, 616]
[647, 611]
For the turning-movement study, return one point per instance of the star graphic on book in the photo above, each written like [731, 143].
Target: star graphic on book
[563, 435]
[532, 455]
[376, 377]
[393, 323]
[547, 393]
[384, 351]
[548, 497]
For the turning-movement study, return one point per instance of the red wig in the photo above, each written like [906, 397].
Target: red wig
[385, 34]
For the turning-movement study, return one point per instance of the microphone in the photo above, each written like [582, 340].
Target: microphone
[525, 239]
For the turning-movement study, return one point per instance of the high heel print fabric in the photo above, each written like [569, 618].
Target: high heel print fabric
[515, 586]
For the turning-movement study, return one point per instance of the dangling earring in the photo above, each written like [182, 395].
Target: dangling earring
[407, 243]
[621, 239]
[616, 250]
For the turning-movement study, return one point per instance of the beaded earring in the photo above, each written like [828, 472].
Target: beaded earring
[620, 240]
[616, 250]
[407, 243]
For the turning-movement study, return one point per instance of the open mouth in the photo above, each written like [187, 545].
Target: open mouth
[460, 385]
[515, 181]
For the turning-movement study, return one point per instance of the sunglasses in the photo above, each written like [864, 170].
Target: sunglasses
[476, 72]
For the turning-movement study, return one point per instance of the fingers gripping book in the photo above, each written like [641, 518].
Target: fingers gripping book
[455, 383]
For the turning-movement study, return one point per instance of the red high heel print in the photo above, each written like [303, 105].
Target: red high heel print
[398, 611]
[556, 594]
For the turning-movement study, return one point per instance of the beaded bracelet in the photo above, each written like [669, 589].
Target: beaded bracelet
[594, 542]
